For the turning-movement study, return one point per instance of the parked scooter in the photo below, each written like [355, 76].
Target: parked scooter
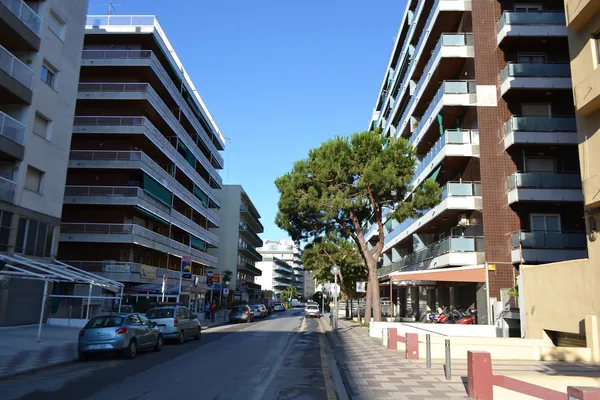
[470, 319]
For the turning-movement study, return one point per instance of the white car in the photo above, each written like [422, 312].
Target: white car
[312, 310]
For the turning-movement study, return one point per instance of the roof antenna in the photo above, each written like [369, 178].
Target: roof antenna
[110, 8]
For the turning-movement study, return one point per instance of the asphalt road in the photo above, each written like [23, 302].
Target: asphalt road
[280, 357]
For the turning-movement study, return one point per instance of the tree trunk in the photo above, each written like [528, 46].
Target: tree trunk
[374, 283]
[368, 304]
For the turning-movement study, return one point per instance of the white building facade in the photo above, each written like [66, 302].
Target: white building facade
[287, 251]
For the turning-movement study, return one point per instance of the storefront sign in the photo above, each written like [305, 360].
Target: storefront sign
[147, 272]
[124, 268]
[216, 278]
[186, 267]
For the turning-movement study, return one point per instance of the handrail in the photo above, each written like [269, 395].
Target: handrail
[25, 14]
[11, 128]
[16, 68]
[549, 180]
[8, 189]
[548, 240]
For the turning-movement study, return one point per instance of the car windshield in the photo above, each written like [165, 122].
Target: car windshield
[239, 309]
[254, 307]
[156, 313]
[104, 322]
[312, 308]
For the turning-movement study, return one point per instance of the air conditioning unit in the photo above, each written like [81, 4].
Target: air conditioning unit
[463, 221]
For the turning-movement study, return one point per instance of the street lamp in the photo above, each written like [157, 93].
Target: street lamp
[335, 271]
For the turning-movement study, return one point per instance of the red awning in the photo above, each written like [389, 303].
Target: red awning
[461, 274]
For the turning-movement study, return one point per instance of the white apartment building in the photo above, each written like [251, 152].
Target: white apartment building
[276, 274]
[40, 57]
[287, 251]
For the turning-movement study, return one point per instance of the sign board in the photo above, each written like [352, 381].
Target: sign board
[116, 268]
[209, 274]
[147, 272]
[186, 267]
[335, 290]
[209, 283]
[216, 278]
[217, 286]
[268, 294]
[361, 287]
[226, 292]
[491, 267]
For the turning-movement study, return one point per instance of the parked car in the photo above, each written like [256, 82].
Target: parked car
[257, 311]
[122, 333]
[278, 307]
[241, 314]
[175, 322]
[263, 310]
[312, 310]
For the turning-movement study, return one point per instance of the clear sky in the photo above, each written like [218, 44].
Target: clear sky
[279, 77]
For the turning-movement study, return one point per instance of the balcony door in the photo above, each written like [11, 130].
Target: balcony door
[532, 58]
[545, 222]
[540, 164]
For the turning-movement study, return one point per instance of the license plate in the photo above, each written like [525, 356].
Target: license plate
[99, 346]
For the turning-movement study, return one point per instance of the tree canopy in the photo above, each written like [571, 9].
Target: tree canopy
[346, 182]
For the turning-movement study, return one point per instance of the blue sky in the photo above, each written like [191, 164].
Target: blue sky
[279, 77]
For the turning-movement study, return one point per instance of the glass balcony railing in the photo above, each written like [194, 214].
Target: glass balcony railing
[250, 249]
[7, 190]
[451, 189]
[450, 137]
[534, 70]
[11, 128]
[246, 228]
[549, 240]
[541, 124]
[531, 18]
[444, 246]
[280, 268]
[25, 14]
[16, 68]
[447, 87]
[544, 180]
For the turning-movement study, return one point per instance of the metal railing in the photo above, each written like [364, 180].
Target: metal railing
[250, 249]
[25, 14]
[135, 230]
[536, 70]
[546, 180]
[246, 228]
[531, 18]
[11, 128]
[16, 68]
[458, 136]
[549, 240]
[454, 244]
[451, 189]
[249, 267]
[283, 269]
[541, 124]
[7, 190]
[98, 266]
[246, 209]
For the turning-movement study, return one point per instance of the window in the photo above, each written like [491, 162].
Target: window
[536, 109]
[41, 126]
[540, 164]
[33, 180]
[56, 24]
[532, 58]
[528, 7]
[34, 238]
[545, 222]
[596, 38]
[48, 75]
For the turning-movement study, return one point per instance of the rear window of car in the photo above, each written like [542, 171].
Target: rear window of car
[239, 309]
[157, 313]
[104, 322]
[312, 307]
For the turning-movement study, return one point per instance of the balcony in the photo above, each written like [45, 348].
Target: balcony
[544, 186]
[147, 58]
[457, 197]
[283, 269]
[533, 247]
[540, 130]
[136, 196]
[134, 234]
[251, 286]
[535, 76]
[248, 268]
[514, 25]
[20, 25]
[450, 251]
[99, 125]
[16, 79]
[252, 219]
[282, 278]
[12, 134]
[7, 190]
[450, 93]
[251, 235]
[99, 159]
[250, 251]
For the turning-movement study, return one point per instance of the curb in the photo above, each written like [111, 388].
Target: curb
[35, 370]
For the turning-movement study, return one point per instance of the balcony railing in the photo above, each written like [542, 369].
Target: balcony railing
[25, 14]
[444, 246]
[531, 18]
[535, 70]
[7, 190]
[245, 228]
[250, 249]
[450, 137]
[11, 128]
[541, 124]
[246, 209]
[283, 269]
[544, 180]
[249, 267]
[135, 230]
[447, 87]
[549, 240]
[16, 68]
[451, 189]
[282, 277]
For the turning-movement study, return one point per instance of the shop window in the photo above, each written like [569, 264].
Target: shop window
[34, 238]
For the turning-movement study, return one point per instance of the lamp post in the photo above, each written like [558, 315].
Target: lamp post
[335, 270]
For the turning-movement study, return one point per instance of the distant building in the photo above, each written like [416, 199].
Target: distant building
[276, 275]
[287, 251]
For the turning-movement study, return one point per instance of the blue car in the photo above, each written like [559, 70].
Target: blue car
[124, 334]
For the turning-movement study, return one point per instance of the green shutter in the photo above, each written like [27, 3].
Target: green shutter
[197, 243]
[201, 195]
[152, 215]
[156, 190]
[439, 119]
[435, 173]
[388, 225]
[189, 157]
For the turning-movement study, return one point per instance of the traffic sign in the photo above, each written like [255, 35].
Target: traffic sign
[186, 267]
[209, 274]
[361, 287]
[335, 290]
[226, 292]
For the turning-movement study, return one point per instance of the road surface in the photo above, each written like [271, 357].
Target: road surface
[280, 357]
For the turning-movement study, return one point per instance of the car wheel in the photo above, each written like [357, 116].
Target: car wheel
[131, 350]
[181, 339]
[83, 356]
[159, 343]
[198, 334]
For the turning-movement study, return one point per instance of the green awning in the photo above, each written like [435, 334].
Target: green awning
[197, 243]
[435, 173]
[388, 224]
[189, 157]
[156, 190]
[439, 119]
[201, 195]
[152, 215]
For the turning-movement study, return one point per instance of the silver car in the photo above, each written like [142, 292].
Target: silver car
[175, 322]
[122, 333]
[312, 310]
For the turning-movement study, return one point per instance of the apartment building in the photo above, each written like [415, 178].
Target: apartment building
[40, 55]
[238, 240]
[276, 275]
[143, 189]
[559, 296]
[482, 90]
[287, 251]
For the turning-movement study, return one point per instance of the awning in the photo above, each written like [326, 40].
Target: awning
[150, 214]
[461, 274]
[153, 288]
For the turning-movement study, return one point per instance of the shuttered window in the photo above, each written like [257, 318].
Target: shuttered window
[197, 243]
[189, 157]
[156, 190]
[201, 195]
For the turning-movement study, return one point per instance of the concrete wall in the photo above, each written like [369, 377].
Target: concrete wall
[228, 231]
[483, 331]
[266, 279]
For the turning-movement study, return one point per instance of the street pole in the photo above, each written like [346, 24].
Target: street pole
[180, 283]
[335, 307]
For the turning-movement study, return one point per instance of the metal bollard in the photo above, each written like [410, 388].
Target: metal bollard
[428, 349]
[448, 361]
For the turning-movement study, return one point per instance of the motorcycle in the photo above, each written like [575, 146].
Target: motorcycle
[469, 319]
